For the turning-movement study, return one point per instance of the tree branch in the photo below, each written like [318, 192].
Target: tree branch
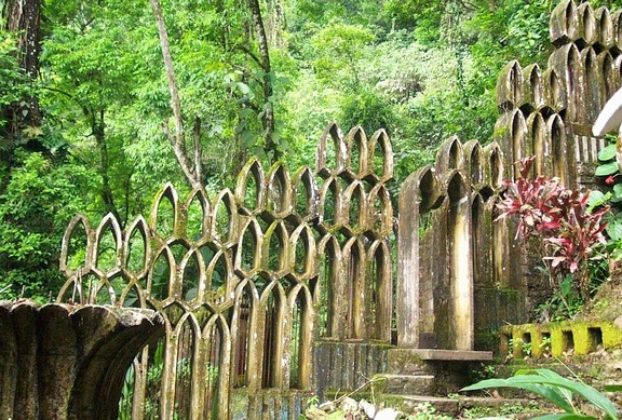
[198, 151]
[170, 70]
[193, 175]
[182, 158]
[98, 127]
[264, 58]
[250, 54]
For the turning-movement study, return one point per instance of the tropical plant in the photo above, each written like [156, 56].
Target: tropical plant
[609, 173]
[556, 389]
[560, 219]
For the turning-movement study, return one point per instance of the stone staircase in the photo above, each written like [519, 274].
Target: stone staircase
[417, 376]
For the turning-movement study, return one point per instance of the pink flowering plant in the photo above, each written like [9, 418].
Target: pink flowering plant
[569, 231]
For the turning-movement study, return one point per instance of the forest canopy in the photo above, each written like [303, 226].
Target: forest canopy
[88, 120]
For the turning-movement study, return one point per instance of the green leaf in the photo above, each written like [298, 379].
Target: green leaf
[614, 229]
[550, 394]
[595, 196]
[617, 191]
[607, 169]
[613, 388]
[607, 153]
[590, 394]
[564, 416]
[243, 88]
[547, 384]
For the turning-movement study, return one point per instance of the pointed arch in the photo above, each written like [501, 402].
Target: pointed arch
[460, 263]
[192, 282]
[554, 91]
[474, 162]
[449, 156]
[328, 288]
[275, 248]
[133, 296]
[511, 130]
[244, 370]
[380, 156]
[604, 28]
[248, 252]
[135, 264]
[331, 152]
[224, 217]
[218, 274]
[380, 210]
[249, 190]
[592, 84]
[355, 207]
[378, 291]
[301, 255]
[299, 337]
[305, 193]
[537, 145]
[354, 271]
[197, 212]
[272, 304]
[556, 131]
[66, 265]
[566, 61]
[509, 86]
[356, 146]
[587, 29]
[494, 170]
[330, 203]
[112, 252]
[533, 97]
[610, 76]
[214, 379]
[279, 194]
[563, 23]
[161, 275]
[165, 224]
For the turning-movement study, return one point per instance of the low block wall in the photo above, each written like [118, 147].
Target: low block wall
[556, 339]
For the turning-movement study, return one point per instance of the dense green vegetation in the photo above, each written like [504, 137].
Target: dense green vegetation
[81, 125]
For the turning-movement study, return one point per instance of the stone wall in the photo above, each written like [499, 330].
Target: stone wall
[249, 281]
[284, 286]
[459, 271]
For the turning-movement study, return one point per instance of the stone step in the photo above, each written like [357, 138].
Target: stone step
[455, 407]
[403, 384]
[429, 361]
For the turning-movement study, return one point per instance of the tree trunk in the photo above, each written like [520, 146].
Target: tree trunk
[276, 23]
[23, 18]
[264, 60]
[191, 165]
[99, 132]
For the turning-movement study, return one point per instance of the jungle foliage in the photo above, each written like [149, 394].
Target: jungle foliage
[81, 127]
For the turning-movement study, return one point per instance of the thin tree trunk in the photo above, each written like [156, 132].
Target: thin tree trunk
[99, 132]
[276, 23]
[192, 171]
[264, 59]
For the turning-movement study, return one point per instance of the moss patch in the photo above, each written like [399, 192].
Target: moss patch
[557, 339]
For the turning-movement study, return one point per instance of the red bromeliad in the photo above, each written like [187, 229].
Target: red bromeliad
[557, 216]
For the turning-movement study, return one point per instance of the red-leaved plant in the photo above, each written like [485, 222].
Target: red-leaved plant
[559, 219]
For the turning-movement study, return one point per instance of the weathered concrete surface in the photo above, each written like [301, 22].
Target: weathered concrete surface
[68, 361]
[403, 384]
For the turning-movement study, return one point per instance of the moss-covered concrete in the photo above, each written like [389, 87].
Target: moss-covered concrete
[556, 339]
